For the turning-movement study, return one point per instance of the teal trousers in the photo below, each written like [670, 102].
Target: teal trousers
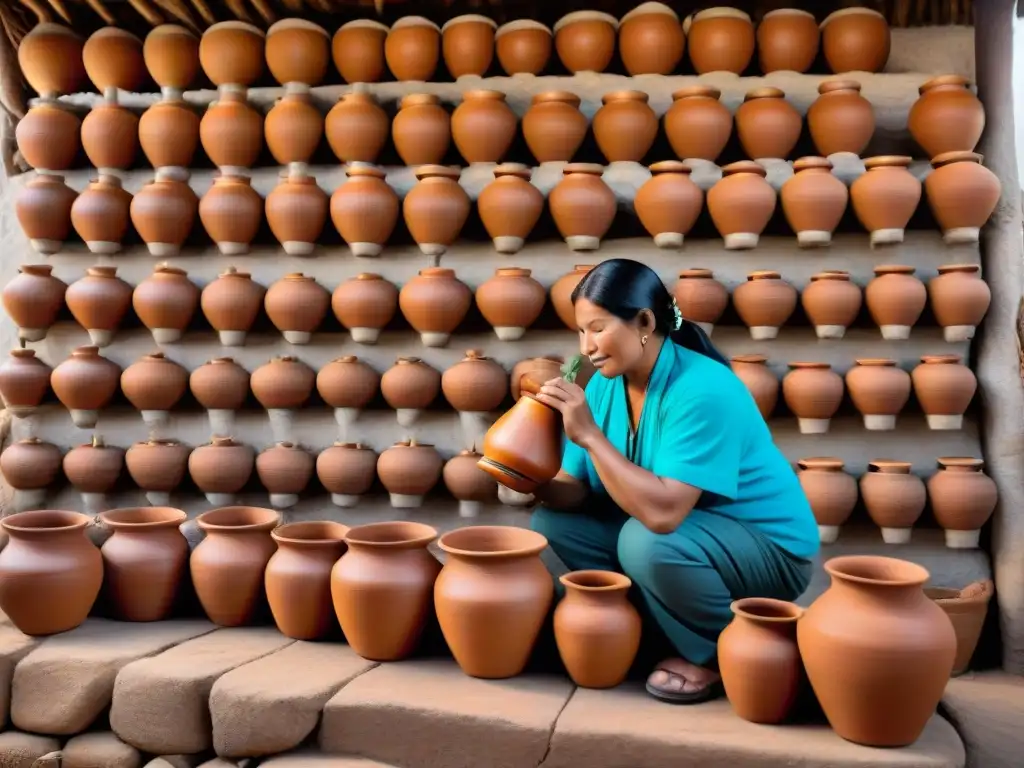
[684, 581]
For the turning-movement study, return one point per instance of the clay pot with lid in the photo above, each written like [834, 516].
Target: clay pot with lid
[157, 467]
[885, 198]
[408, 470]
[231, 132]
[412, 48]
[347, 384]
[365, 304]
[365, 210]
[221, 386]
[492, 597]
[895, 299]
[962, 194]
[296, 211]
[50, 58]
[296, 305]
[476, 384]
[298, 577]
[669, 203]
[764, 303]
[421, 130]
[698, 125]
[43, 207]
[409, 386]
[787, 40]
[297, 53]
[169, 134]
[357, 49]
[523, 448]
[625, 126]
[840, 119]
[231, 304]
[434, 303]
[523, 47]
[944, 388]
[30, 466]
[561, 294]
[856, 40]
[110, 136]
[50, 572]
[720, 40]
[483, 126]
[163, 212]
[436, 208]
[759, 380]
[220, 469]
[879, 389]
[813, 392]
[768, 126]
[228, 565]
[346, 471]
[143, 561]
[554, 127]
[165, 302]
[894, 498]
[701, 298]
[651, 40]
[962, 499]
[84, 383]
[232, 53]
[100, 214]
[583, 206]
[511, 301]
[585, 40]
[947, 116]
[510, 207]
[24, 382]
[154, 385]
[832, 494]
[470, 485]
[357, 127]
[284, 470]
[48, 136]
[33, 300]
[283, 383]
[293, 129]
[231, 212]
[832, 303]
[959, 300]
[171, 55]
[741, 204]
[467, 44]
[814, 201]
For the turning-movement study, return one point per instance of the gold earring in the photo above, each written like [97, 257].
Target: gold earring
[643, 340]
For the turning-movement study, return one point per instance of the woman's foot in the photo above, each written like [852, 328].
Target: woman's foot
[679, 682]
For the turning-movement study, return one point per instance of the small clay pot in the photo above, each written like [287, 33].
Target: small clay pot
[554, 127]
[412, 48]
[879, 390]
[85, 383]
[832, 303]
[585, 40]
[434, 303]
[169, 134]
[365, 210]
[165, 302]
[293, 129]
[741, 204]
[48, 136]
[813, 392]
[220, 469]
[358, 50]
[467, 44]
[157, 467]
[357, 128]
[110, 137]
[346, 471]
[100, 215]
[231, 132]
[435, 209]
[768, 126]
[763, 385]
[813, 201]
[885, 198]
[510, 207]
[347, 382]
[832, 494]
[408, 470]
[296, 211]
[959, 300]
[840, 119]
[855, 40]
[962, 499]
[895, 299]
[422, 129]
[33, 300]
[720, 40]
[364, 304]
[231, 304]
[296, 305]
[483, 126]
[476, 384]
[93, 469]
[43, 207]
[764, 303]
[231, 212]
[701, 298]
[962, 194]
[669, 203]
[469, 484]
[893, 497]
[220, 384]
[651, 40]
[232, 53]
[583, 206]
[154, 385]
[787, 40]
[947, 117]
[24, 382]
[944, 388]
[163, 212]
[297, 52]
[523, 47]
[50, 58]
[561, 294]
[30, 466]
[511, 301]
[409, 386]
[697, 124]
[625, 126]
[171, 54]
[284, 470]
[283, 383]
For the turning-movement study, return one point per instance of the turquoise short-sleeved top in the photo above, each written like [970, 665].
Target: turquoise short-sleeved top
[701, 426]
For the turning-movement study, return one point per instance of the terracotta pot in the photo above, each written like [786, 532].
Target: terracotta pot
[962, 499]
[284, 470]
[220, 384]
[110, 137]
[813, 201]
[475, 384]
[357, 128]
[365, 210]
[171, 55]
[169, 134]
[597, 629]
[296, 305]
[561, 294]
[232, 53]
[220, 469]
[143, 561]
[467, 44]
[763, 385]
[231, 212]
[231, 132]
[759, 659]
[154, 385]
[832, 494]
[100, 215]
[113, 60]
[585, 40]
[346, 471]
[43, 207]
[93, 469]
[469, 484]
[529, 375]
[764, 303]
[583, 206]
[787, 40]
[483, 126]
[813, 392]
[84, 383]
[554, 127]
[50, 58]
[30, 467]
[382, 588]
[967, 609]
[24, 382]
[33, 300]
[855, 40]
[701, 298]
[768, 126]
[721, 40]
[231, 304]
[523, 47]
[669, 203]
[741, 204]
[434, 303]
[48, 136]
[163, 212]
[523, 448]
[422, 129]
[492, 597]
[293, 129]
[347, 383]
[895, 299]
[879, 390]
[283, 383]
[832, 303]
[944, 388]
[296, 211]
[893, 497]
[435, 209]
[358, 50]
[297, 52]
[365, 304]
[625, 126]
[885, 198]
[888, 695]
[947, 117]
[50, 572]
[165, 302]
[412, 48]
[298, 577]
[697, 124]
[408, 470]
[651, 40]
[409, 386]
[228, 565]
[510, 207]
[511, 301]
[157, 467]
[959, 299]
[962, 194]
[840, 119]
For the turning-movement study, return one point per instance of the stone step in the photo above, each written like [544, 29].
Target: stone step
[987, 710]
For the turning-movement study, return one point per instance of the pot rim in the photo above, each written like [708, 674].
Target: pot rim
[696, 273]
[122, 518]
[469, 18]
[417, 99]
[555, 96]
[518, 170]
[877, 570]
[414, 21]
[648, 9]
[670, 166]
[599, 580]
[495, 542]
[772, 611]
[823, 463]
[391, 534]
[39, 522]
[957, 156]
[520, 25]
[575, 16]
[754, 359]
[839, 84]
[220, 520]
[831, 274]
[964, 268]
[855, 11]
[364, 24]
[961, 463]
[311, 533]
[695, 91]
[941, 80]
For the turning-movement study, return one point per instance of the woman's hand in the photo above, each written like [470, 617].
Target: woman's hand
[569, 400]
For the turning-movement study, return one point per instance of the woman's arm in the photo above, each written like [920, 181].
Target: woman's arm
[564, 492]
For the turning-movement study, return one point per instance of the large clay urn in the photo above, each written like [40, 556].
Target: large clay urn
[483, 126]
[959, 299]
[475, 384]
[944, 388]
[296, 211]
[296, 305]
[357, 128]
[30, 466]
[962, 499]
[298, 577]
[231, 304]
[364, 304]
[220, 469]
[231, 212]
[741, 204]
[50, 572]
[523, 47]
[767, 125]
[523, 448]
[467, 44]
[157, 467]
[583, 206]
[284, 470]
[469, 484]
[293, 129]
[93, 469]
[585, 40]
[840, 119]
[669, 203]
[701, 299]
[436, 208]
[492, 597]
[100, 215]
[143, 561]
[165, 302]
[171, 55]
[651, 40]
[231, 132]
[409, 386]
[831, 492]
[813, 392]
[346, 471]
[232, 53]
[110, 136]
[832, 302]
[154, 385]
[383, 586]
[855, 40]
[947, 116]
[24, 382]
[511, 301]
[365, 210]
[163, 212]
[894, 498]
[50, 58]
[33, 300]
[895, 299]
[48, 136]
[813, 201]
[228, 565]
[357, 49]
[879, 390]
[554, 127]
[758, 378]
[169, 134]
[413, 48]
[962, 194]
[787, 40]
[625, 126]
[297, 53]
[435, 302]
[764, 303]
[878, 652]
[885, 198]
[698, 125]
[561, 294]
[759, 660]
[421, 130]
[408, 470]
[43, 209]
[510, 207]
[84, 383]
[720, 40]
[597, 629]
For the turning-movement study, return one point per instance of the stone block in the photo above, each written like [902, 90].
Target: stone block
[987, 710]
[22, 750]
[310, 759]
[100, 749]
[14, 646]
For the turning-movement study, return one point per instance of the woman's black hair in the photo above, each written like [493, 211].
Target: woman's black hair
[624, 288]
